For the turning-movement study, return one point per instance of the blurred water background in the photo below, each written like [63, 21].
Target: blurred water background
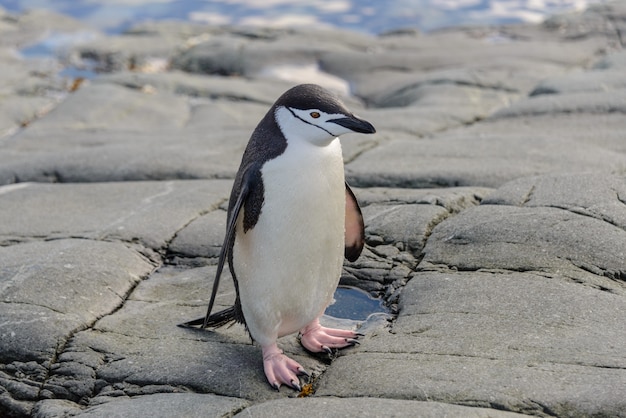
[371, 16]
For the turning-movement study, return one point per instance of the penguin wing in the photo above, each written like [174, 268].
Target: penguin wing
[355, 228]
[232, 313]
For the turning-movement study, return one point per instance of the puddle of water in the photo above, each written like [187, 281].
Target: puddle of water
[355, 304]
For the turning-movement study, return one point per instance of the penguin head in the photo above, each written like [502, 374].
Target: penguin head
[311, 113]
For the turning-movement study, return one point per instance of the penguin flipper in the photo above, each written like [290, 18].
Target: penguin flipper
[355, 228]
[227, 247]
[234, 312]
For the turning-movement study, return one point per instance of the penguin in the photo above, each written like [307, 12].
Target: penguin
[292, 219]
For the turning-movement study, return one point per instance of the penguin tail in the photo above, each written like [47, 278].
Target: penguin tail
[215, 320]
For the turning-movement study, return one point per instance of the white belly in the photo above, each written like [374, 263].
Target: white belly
[288, 266]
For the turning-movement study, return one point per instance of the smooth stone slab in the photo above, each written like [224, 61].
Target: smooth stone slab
[174, 137]
[458, 49]
[598, 196]
[578, 102]
[49, 292]
[432, 108]
[149, 213]
[546, 239]
[377, 86]
[602, 130]
[589, 81]
[615, 60]
[202, 86]
[238, 53]
[109, 107]
[170, 404]
[453, 199]
[203, 237]
[564, 230]
[326, 406]
[481, 160]
[518, 342]
[165, 404]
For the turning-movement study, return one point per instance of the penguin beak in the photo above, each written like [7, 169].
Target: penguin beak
[355, 124]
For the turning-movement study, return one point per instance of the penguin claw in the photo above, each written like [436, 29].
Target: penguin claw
[296, 386]
[303, 372]
[317, 338]
[280, 369]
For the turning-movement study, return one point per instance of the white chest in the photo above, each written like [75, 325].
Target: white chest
[289, 264]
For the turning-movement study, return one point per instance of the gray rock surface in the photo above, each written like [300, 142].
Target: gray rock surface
[494, 196]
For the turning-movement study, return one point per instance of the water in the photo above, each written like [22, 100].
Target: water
[372, 16]
[356, 304]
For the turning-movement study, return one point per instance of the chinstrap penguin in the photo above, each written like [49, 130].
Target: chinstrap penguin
[291, 219]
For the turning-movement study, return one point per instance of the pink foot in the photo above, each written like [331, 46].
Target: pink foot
[280, 369]
[317, 338]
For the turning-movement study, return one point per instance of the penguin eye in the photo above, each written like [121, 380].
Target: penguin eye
[315, 115]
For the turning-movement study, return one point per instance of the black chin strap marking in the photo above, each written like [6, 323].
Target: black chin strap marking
[312, 124]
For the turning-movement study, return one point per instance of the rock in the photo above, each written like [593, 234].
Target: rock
[407, 225]
[549, 236]
[600, 102]
[512, 341]
[592, 195]
[203, 361]
[481, 160]
[200, 86]
[167, 404]
[365, 407]
[149, 213]
[237, 53]
[48, 295]
[591, 81]
[615, 61]
[203, 237]
[171, 138]
[493, 195]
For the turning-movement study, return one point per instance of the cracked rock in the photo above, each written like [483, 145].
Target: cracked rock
[493, 194]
